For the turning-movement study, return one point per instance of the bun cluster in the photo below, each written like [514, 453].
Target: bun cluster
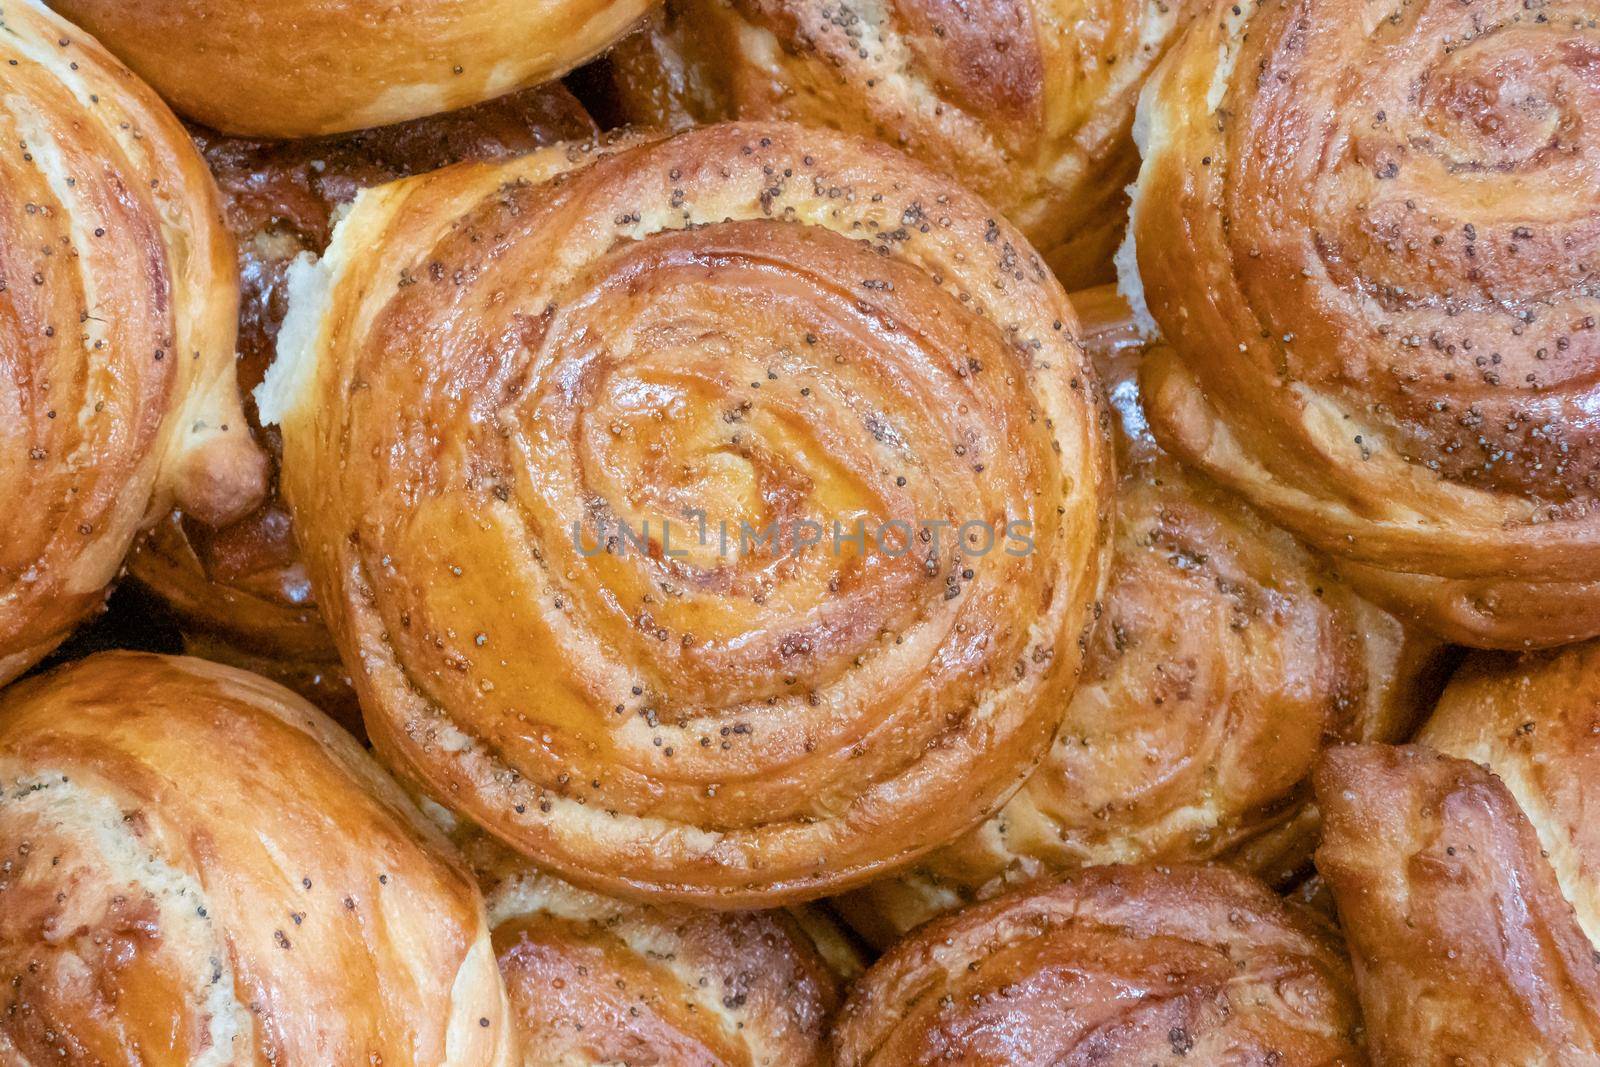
[799, 533]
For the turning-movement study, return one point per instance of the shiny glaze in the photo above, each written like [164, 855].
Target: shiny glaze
[1028, 104]
[1370, 238]
[117, 308]
[202, 869]
[595, 980]
[241, 589]
[308, 68]
[1467, 868]
[1226, 657]
[1113, 966]
[842, 334]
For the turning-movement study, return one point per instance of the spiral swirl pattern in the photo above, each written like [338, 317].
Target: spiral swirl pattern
[117, 319]
[1116, 965]
[201, 869]
[307, 68]
[764, 324]
[1028, 104]
[1226, 658]
[240, 589]
[1370, 236]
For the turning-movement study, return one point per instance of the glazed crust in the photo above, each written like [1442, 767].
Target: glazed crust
[1226, 657]
[763, 322]
[595, 980]
[117, 318]
[1466, 950]
[1466, 872]
[1534, 720]
[308, 68]
[1371, 242]
[1115, 966]
[1028, 104]
[202, 869]
[240, 590]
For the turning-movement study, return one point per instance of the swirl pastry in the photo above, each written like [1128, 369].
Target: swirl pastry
[240, 589]
[307, 68]
[503, 382]
[202, 869]
[1369, 235]
[594, 980]
[1467, 869]
[117, 318]
[1225, 658]
[1029, 104]
[1117, 966]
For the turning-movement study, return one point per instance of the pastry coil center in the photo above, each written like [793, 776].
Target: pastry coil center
[661, 454]
[700, 509]
[1440, 277]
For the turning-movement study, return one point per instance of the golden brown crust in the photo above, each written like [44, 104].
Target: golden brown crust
[307, 68]
[1486, 610]
[202, 869]
[1226, 657]
[240, 589]
[1534, 720]
[1475, 883]
[1028, 104]
[1466, 950]
[1118, 966]
[595, 980]
[1369, 236]
[841, 335]
[117, 318]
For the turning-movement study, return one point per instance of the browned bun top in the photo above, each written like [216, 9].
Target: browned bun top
[1467, 868]
[306, 68]
[200, 868]
[1466, 949]
[596, 980]
[1369, 235]
[1029, 104]
[497, 367]
[1115, 965]
[240, 589]
[117, 316]
[1225, 658]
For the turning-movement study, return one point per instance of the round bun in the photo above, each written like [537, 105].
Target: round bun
[305, 68]
[1028, 104]
[1226, 657]
[595, 980]
[1380, 282]
[240, 590]
[502, 382]
[1124, 966]
[117, 316]
[1465, 868]
[200, 868]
